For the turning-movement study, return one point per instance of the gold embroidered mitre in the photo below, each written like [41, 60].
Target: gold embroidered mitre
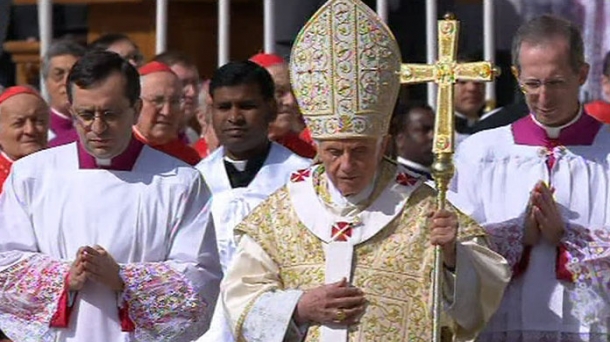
[345, 72]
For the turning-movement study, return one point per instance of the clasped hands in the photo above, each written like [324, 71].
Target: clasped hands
[341, 303]
[95, 264]
[543, 217]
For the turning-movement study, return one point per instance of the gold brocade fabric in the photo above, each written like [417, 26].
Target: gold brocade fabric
[345, 71]
[393, 268]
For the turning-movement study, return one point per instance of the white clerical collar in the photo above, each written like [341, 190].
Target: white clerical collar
[553, 132]
[240, 165]
[104, 162]
[469, 121]
[60, 114]
[343, 201]
[413, 165]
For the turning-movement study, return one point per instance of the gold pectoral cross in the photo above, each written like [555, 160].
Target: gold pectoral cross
[445, 72]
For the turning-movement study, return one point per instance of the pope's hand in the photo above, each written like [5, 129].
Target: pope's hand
[336, 303]
[78, 276]
[443, 233]
[547, 215]
[101, 267]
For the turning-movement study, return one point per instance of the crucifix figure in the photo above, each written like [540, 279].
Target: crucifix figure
[445, 72]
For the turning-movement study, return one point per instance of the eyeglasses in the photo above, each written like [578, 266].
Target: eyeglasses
[533, 87]
[87, 117]
[160, 101]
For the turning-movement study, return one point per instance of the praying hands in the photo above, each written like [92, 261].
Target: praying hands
[543, 217]
[96, 264]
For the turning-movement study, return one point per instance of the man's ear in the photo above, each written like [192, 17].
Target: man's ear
[583, 73]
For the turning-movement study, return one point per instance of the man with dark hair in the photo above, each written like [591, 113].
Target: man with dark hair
[121, 44]
[412, 130]
[247, 167]
[541, 189]
[55, 67]
[188, 74]
[600, 109]
[105, 238]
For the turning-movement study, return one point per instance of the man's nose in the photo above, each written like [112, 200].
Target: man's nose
[29, 127]
[98, 125]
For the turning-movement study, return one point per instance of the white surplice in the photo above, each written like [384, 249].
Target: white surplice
[152, 219]
[561, 292]
[230, 205]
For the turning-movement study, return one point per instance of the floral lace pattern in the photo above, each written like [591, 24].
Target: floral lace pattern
[29, 295]
[589, 261]
[163, 304]
[506, 239]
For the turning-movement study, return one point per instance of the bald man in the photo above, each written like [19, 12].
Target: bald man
[162, 116]
[24, 121]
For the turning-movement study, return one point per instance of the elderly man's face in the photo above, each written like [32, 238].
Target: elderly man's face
[287, 107]
[103, 116]
[161, 116]
[24, 121]
[351, 163]
[59, 68]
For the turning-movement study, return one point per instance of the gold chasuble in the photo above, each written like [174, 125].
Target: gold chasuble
[392, 267]
[280, 251]
[345, 72]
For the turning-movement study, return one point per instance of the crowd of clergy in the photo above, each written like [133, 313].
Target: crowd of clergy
[293, 199]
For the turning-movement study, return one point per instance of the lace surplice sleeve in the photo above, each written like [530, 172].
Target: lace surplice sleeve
[33, 295]
[174, 300]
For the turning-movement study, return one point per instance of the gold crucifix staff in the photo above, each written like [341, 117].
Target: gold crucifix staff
[445, 72]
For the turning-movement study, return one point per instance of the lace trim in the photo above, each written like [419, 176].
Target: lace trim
[588, 254]
[506, 239]
[29, 296]
[163, 304]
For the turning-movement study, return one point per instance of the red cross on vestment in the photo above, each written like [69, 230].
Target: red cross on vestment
[341, 231]
[300, 175]
[406, 179]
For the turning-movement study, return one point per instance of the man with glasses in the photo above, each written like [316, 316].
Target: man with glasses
[541, 189]
[161, 117]
[186, 70]
[105, 239]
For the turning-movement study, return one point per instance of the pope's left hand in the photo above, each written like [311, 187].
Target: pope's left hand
[101, 267]
[443, 233]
